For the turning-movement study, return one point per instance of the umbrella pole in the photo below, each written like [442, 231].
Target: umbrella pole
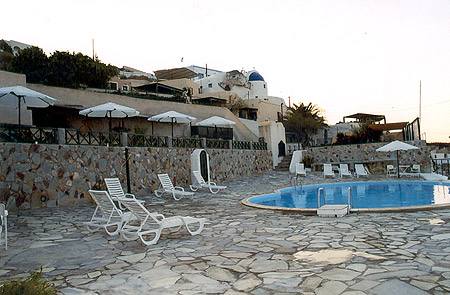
[152, 128]
[398, 167]
[172, 128]
[18, 101]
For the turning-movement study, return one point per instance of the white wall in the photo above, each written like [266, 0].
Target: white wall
[273, 132]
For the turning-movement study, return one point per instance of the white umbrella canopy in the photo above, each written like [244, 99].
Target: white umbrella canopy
[172, 117]
[396, 146]
[29, 97]
[109, 110]
[215, 121]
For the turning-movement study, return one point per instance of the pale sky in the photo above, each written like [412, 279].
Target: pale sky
[345, 56]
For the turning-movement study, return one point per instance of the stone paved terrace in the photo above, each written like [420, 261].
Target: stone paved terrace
[242, 250]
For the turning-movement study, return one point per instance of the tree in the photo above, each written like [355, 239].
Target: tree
[63, 69]
[304, 121]
[235, 103]
[32, 62]
[5, 47]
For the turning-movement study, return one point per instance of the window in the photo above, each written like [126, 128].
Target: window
[125, 88]
[210, 85]
[264, 85]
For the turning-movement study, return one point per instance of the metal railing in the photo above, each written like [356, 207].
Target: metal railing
[43, 135]
[186, 142]
[259, 145]
[217, 144]
[142, 140]
[28, 134]
[241, 145]
[77, 137]
[318, 197]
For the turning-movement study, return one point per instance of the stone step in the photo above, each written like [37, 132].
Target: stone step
[332, 210]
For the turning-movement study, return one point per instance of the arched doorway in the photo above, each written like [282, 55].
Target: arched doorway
[281, 149]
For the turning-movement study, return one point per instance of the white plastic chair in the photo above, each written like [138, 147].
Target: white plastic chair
[106, 214]
[328, 170]
[300, 169]
[391, 171]
[343, 170]
[116, 192]
[168, 187]
[4, 225]
[361, 170]
[199, 182]
[153, 223]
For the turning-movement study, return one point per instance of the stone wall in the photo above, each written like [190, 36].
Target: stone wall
[36, 175]
[367, 154]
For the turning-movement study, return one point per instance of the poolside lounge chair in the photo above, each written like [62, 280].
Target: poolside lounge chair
[152, 224]
[328, 170]
[343, 170]
[4, 225]
[116, 192]
[168, 187]
[199, 182]
[415, 169]
[106, 215]
[391, 171]
[361, 170]
[300, 169]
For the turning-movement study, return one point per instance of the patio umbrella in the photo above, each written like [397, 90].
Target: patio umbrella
[397, 146]
[110, 110]
[29, 97]
[172, 117]
[215, 121]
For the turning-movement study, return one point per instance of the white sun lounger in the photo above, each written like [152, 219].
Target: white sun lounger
[361, 170]
[152, 224]
[199, 182]
[328, 170]
[106, 214]
[116, 192]
[391, 171]
[4, 225]
[343, 170]
[300, 169]
[168, 187]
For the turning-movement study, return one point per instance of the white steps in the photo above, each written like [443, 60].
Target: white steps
[332, 210]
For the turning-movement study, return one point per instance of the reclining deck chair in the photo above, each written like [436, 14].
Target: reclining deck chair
[416, 169]
[328, 170]
[106, 215]
[361, 170]
[4, 225]
[199, 182]
[300, 169]
[167, 187]
[153, 223]
[116, 192]
[391, 171]
[343, 170]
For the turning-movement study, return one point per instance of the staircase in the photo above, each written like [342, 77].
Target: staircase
[284, 164]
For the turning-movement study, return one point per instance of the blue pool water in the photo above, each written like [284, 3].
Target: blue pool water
[365, 195]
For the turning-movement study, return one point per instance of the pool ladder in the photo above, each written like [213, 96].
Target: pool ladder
[333, 210]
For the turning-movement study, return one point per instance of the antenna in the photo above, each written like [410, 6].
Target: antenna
[420, 100]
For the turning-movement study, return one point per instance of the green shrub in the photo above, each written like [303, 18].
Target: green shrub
[308, 161]
[33, 285]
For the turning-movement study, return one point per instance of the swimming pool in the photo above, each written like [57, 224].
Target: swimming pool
[365, 195]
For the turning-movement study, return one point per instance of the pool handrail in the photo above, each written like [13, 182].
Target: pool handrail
[318, 197]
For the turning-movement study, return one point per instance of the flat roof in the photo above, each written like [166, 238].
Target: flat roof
[388, 126]
[176, 73]
[363, 117]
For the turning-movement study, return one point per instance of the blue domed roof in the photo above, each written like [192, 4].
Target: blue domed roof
[255, 76]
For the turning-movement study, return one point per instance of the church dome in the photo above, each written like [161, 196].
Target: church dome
[255, 76]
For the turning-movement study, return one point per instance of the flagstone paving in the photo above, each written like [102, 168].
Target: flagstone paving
[242, 250]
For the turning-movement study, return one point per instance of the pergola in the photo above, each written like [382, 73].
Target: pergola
[361, 117]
